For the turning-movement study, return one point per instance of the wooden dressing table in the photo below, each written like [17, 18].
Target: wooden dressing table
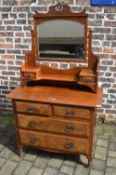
[54, 109]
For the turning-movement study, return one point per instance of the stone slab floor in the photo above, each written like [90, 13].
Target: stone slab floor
[36, 162]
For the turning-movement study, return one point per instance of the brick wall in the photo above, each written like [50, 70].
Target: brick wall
[16, 21]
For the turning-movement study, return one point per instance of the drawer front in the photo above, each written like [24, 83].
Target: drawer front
[54, 125]
[54, 142]
[87, 79]
[32, 108]
[28, 75]
[71, 112]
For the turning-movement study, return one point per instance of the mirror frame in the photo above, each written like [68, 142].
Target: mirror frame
[58, 12]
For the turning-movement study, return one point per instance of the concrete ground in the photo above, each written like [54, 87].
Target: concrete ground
[37, 162]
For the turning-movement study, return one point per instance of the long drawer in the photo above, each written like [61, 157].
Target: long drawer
[71, 112]
[54, 142]
[32, 108]
[54, 125]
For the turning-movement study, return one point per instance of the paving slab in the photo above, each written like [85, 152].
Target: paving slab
[102, 142]
[96, 172]
[15, 157]
[81, 170]
[50, 171]
[2, 161]
[100, 153]
[99, 129]
[22, 168]
[7, 152]
[111, 153]
[71, 160]
[42, 160]
[8, 168]
[111, 162]
[110, 171]
[67, 170]
[56, 161]
[31, 155]
[35, 171]
[108, 130]
[98, 164]
[112, 146]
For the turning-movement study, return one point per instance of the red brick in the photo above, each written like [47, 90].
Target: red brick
[2, 28]
[110, 23]
[110, 16]
[109, 50]
[19, 34]
[9, 22]
[83, 2]
[102, 30]
[95, 23]
[9, 40]
[113, 56]
[97, 49]
[111, 37]
[98, 36]
[1, 40]
[8, 57]
[6, 45]
[94, 9]
[110, 9]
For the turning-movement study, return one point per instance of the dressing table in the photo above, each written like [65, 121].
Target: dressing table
[54, 109]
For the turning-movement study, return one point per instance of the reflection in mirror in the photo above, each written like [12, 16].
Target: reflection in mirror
[61, 39]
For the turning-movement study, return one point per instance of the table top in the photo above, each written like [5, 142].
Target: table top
[57, 95]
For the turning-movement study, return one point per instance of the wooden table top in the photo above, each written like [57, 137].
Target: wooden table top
[57, 95]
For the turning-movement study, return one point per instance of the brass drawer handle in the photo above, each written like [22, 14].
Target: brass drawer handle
[31, 109]
[69, 128]
[69, 145]
[33, 123]
[70, 114]
[33, 139]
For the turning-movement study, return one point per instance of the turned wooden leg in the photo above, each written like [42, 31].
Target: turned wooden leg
[89, 160]
[21, 152]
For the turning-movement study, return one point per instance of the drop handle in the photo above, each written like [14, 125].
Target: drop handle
[69, 128]
[33, 139]
[70, 114]
[31, 109]
[69, 145]
[33, 123]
